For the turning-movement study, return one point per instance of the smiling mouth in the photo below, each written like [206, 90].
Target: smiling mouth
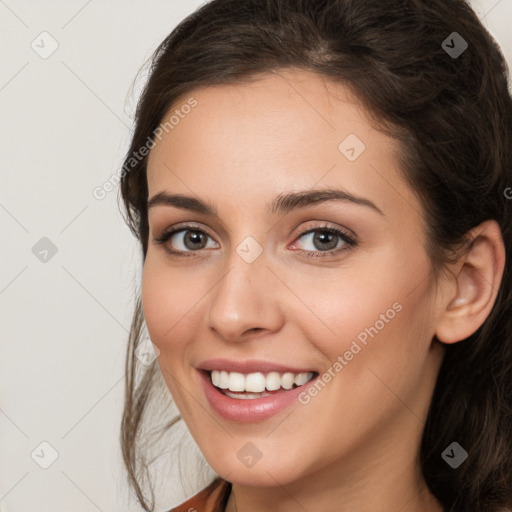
[256, 385]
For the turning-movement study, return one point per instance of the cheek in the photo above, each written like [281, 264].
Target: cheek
[355, 297]
[170, 303]
[156, 301]
[373, 313]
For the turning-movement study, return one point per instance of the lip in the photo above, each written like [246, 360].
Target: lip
[250, 410]
[249, 366]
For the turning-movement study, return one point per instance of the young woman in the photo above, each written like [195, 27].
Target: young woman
[322, 193]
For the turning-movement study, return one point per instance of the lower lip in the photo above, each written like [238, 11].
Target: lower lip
[249, 410]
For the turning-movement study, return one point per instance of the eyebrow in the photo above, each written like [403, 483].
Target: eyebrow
[282, 203]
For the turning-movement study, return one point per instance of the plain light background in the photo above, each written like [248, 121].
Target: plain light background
[65, 124]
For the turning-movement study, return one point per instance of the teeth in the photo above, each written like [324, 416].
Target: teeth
[236, 382]
[223, 380]
[246, 396]
[288, 380]
[254, 382]
[258, 382]
[302, 378]
[273, 381]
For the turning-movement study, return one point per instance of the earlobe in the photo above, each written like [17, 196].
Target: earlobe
[478, 278]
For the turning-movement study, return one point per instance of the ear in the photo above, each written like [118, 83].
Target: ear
[478, 275]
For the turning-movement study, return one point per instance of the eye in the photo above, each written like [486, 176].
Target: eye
[185, 239]
[325, 241]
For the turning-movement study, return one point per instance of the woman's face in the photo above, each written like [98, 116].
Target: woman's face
[261, 286]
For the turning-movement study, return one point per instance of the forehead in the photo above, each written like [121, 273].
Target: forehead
[283, 110]
[288, 130]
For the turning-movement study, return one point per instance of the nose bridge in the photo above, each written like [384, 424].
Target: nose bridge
[244, 299]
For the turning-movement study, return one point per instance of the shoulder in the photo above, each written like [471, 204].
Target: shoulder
[211, 499]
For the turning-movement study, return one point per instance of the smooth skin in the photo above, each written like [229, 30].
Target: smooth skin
[355, 446]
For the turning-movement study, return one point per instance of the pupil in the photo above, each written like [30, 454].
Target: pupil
[194, 237]
[329, 236]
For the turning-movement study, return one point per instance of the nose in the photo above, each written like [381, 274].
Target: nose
[245, 301]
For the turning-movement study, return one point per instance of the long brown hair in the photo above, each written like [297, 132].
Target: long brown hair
[451, 113]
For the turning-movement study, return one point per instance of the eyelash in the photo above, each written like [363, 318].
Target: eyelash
[349, 241]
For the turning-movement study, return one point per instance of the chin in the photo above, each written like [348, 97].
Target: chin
[263, 473]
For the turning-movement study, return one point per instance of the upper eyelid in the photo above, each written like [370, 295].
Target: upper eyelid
[191, 226]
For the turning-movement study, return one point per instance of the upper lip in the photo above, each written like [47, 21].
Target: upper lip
[249, 366]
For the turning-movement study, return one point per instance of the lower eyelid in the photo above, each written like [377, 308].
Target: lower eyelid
[348, 240]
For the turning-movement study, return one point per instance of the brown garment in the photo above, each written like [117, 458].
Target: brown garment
[213, 498]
